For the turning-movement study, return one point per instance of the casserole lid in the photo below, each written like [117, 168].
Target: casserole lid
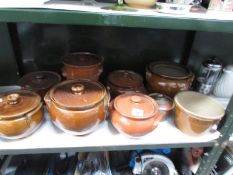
[165, 103]
[125, 79]
[82, 59]
[169, 70]
[199, 105]
[17, 103]
[136, 105]
[77, 93]
[39, 80]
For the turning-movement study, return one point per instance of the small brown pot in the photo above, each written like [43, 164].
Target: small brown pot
[39, 81]
[82, 65]
[124, 81]
[77, 106]
[134, 114]
[165, 103]
[21, 113]
[196, 112]
[168, 78]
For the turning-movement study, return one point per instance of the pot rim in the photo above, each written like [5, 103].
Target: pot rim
[193, 115]
[99, 63]
[190, 73]
[154, 114]
[23, 114]
[77, 108]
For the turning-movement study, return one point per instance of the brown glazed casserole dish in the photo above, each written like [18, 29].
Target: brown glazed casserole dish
[21, 113]
[168, 78]
[77, 106]
[135, 114]
[82, 65]
[123, 81]
[39, 81]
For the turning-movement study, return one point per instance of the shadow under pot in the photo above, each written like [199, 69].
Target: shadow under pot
[168, 78]
[196, 112]
[165, 103]
[82, 65]
[135, 114]
[21, 113]
[39, 81]
[123, 81]
[77, 106]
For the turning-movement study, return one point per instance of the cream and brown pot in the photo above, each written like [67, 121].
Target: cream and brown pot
[135, 114]
[21, 113]
[196, 112]
[77, 106]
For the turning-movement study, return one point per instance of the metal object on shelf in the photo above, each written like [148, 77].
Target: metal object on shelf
[153, 164]
[208, 75]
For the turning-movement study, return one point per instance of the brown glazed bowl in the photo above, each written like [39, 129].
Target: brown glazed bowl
[196, 112]
[39, 81]
[21, 113]
[82, 65]
[123, 81]
[168, 78]
[135, 114]
[166, 104]
[77, 106]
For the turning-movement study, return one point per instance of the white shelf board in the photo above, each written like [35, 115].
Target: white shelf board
[49, 139]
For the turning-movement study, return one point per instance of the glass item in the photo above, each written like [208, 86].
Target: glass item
[165, 103]
[77, 106]
[196, 112]
[135, 114]
[123, 81]
[224, 86]
[82, 65]
[208, 75]
[21, 113]
[39, 81]
[168, 78]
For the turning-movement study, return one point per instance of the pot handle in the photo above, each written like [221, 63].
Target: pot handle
[30, 114]
[63, 72]
[190, 81]
[47, 100]
[157, 119]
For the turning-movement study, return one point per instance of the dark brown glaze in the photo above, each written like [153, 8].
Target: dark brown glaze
[82, 65]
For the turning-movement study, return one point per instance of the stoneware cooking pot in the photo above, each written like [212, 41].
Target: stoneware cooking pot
[82, 65]
[196, 112]
[21, 113]
[135, 114]
[39, 81]
[168, 78]
[77, 106]
[123, 81]
[141, 3]
[166, 104]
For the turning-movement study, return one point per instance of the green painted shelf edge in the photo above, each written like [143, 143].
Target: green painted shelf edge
[49, 16]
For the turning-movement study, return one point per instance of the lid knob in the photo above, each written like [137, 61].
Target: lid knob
[136, 99]
[13, 99]
[77, 88]
[39, 76]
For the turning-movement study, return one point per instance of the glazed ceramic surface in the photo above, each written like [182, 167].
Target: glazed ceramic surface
[134, 114]
[166, 104]
[196, 112]
[77, 106]
[123, 81]
[141, 3]
[21, 113]
[40, 81]
[168, 78]
[224, 86]
[82, 65]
